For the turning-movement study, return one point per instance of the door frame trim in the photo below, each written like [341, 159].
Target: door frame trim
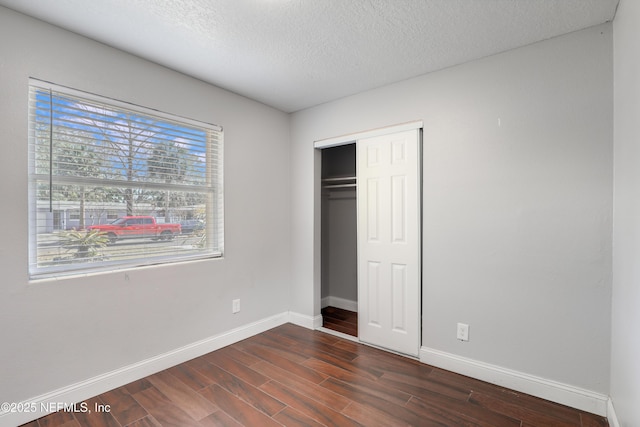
[352, 137]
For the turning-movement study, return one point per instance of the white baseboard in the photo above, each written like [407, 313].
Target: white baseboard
[309, 322]
[564, 394]
[78, 392]
[611, 414]
[342, 303]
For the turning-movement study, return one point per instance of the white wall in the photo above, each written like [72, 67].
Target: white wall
[625, 342]
[517, 203]
[58, 333]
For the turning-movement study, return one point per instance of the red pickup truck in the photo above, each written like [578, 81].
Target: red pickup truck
[134, 227]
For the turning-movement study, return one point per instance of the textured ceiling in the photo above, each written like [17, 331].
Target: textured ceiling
[294, 54]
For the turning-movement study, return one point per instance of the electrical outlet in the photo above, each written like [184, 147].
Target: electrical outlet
[235, 306]
[463, 332]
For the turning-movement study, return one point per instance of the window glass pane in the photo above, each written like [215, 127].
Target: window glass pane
[112, 186]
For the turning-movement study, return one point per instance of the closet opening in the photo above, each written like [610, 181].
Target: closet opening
[339, 269]
[368, 272]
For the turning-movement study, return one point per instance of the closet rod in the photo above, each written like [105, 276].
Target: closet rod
[340, 185]
[345, 178]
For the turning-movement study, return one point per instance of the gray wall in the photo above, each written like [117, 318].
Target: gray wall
[339, 245]
[625, 342]
[517, 203]
[61, 332]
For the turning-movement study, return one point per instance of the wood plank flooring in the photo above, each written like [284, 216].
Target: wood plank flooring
[293, 376]
[340, 320]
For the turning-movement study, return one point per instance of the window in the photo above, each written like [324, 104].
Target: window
[110, 184]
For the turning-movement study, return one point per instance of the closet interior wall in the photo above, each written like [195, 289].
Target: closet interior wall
[339, 226]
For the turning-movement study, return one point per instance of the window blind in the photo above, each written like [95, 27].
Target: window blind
[95, 162]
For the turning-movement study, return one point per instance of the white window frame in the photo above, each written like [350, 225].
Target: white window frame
[213, 246]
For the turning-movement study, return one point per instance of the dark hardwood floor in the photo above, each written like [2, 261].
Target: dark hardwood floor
[293, 376]
[340, 320]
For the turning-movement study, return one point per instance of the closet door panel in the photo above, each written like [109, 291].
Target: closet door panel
[373, 302]
[398, 209]
[388, 170]
[399, 295]
[373, 210]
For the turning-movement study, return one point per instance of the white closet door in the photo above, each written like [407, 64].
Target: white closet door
[389, 279]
